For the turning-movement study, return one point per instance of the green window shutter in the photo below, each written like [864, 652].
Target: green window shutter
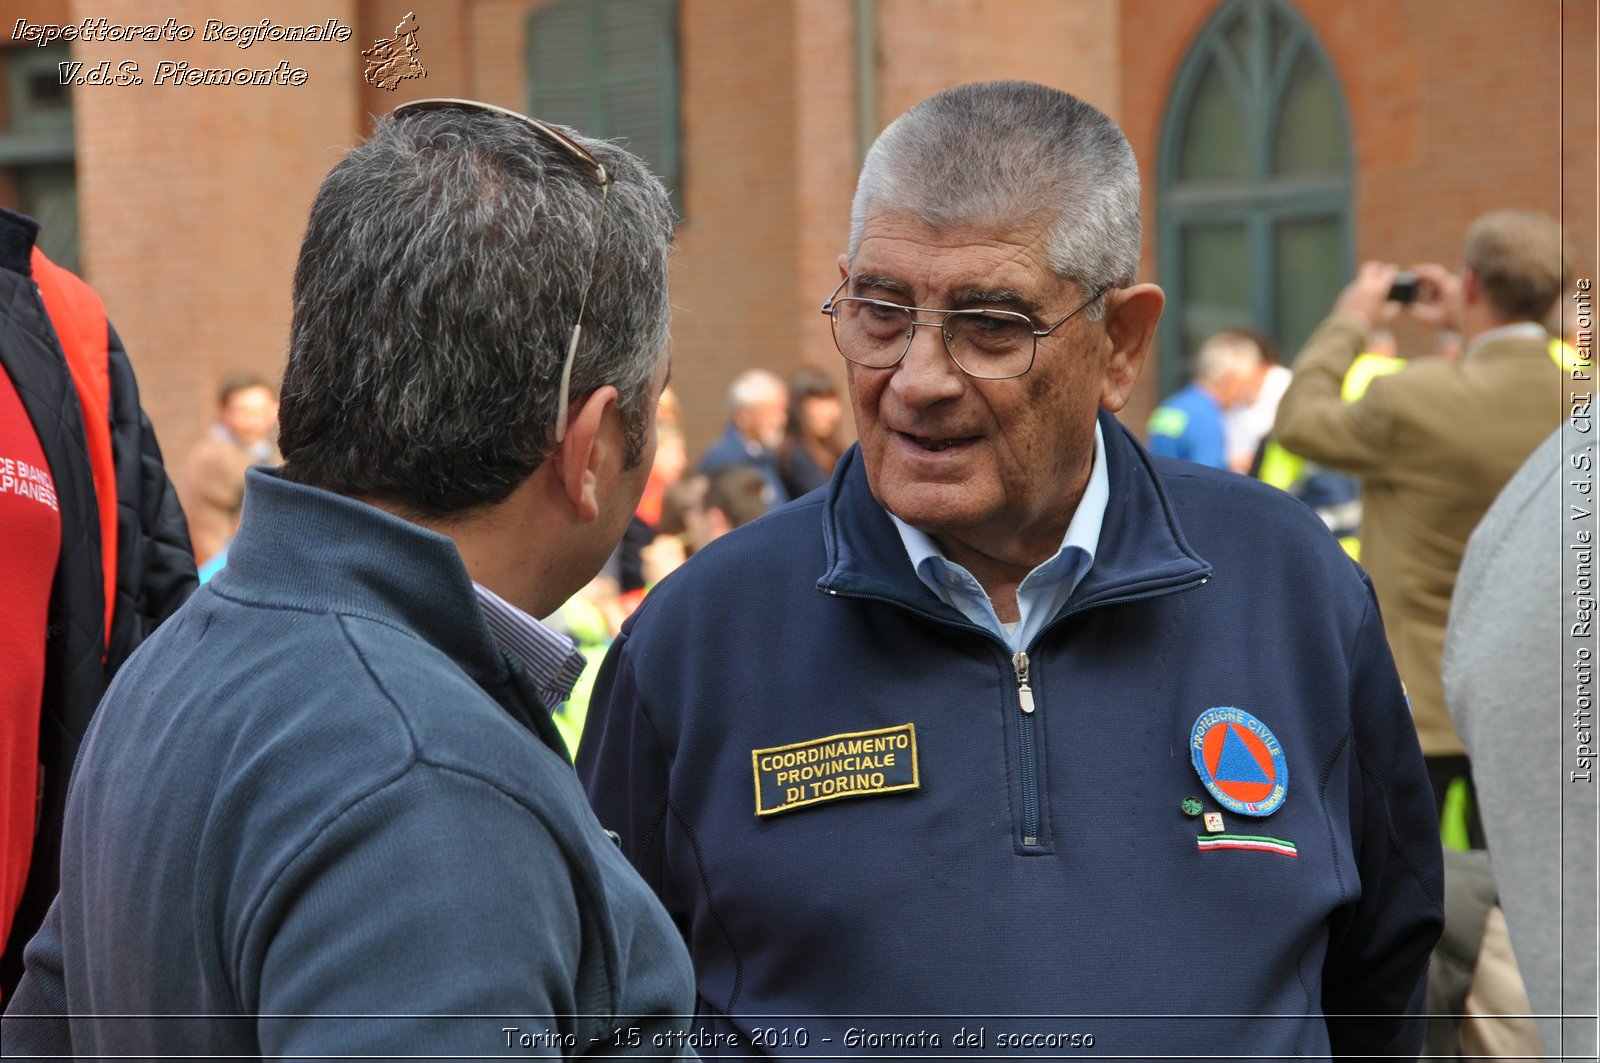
[559, 75]
[558, 44]
[38, 126]
[37, 148]
[610, 68]
[49, 195]
[640, 102]
[1216, 281]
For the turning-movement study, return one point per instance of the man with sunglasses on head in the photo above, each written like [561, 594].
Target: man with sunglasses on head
[325, 812]
[1016, 739]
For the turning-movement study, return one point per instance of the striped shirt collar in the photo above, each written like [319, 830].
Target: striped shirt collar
[551, 659]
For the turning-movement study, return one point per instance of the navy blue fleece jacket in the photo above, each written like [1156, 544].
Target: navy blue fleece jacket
[1027, 851]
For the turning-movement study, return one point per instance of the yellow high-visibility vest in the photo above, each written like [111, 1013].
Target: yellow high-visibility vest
[1283, 469]
[1565, 355]
[1364, 370]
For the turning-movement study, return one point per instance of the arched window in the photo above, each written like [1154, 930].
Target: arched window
[1254, 179]
[609, 68]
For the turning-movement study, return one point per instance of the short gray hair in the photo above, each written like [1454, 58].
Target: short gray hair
[1226, 353]
[1002, 153]
[437, 287]
[753, 387]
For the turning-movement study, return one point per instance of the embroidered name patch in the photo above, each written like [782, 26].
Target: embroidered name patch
[858, 764]
[1240, 761]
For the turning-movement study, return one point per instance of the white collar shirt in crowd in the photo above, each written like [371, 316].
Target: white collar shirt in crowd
[1521, 330]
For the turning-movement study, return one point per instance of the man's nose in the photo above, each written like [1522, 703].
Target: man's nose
[927, 374]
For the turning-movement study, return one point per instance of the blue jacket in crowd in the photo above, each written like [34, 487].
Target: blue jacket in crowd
[731, 448]
[1189, 426]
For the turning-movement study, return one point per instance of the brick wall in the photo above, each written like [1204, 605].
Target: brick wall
[929, 45]
[1455, 110]
[734, 269]
[1580, 167]
[193, 199]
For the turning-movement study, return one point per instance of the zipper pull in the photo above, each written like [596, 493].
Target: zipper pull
[1019, 663]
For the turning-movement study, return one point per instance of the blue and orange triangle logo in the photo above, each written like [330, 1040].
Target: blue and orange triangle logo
[1236, 763]
[1240, 761]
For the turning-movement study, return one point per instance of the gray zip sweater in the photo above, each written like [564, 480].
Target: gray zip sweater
[322, 813]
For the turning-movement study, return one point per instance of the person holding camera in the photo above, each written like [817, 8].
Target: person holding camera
[1435, 443]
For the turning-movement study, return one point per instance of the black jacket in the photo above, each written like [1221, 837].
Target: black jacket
[155, 566]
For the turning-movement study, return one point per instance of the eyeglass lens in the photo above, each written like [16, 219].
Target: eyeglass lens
[984, 343]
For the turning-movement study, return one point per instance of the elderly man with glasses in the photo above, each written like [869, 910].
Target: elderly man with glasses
[325, 813]
[1016, 739]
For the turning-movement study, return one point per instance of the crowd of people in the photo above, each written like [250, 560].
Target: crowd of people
[780, 442]
[1003, 712]
[1404, 457]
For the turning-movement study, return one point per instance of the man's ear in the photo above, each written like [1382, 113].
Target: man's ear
[581, 458]
[1131, 316]
[844, 267]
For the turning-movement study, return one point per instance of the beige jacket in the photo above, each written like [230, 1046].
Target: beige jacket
[212, 491]
[1433, 445]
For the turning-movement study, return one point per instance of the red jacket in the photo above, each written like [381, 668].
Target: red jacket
[125, 562]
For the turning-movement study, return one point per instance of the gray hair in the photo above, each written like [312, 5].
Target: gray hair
[1225, 354]
[1002, 153]
[753, 387]
[437, 287]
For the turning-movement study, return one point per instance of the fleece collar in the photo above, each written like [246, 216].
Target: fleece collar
[303, 548]
[1142, 550]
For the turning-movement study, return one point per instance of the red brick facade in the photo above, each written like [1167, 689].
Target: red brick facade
[192, 200]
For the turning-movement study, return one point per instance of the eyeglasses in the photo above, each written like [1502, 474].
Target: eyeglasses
[602, 178]
[986, 344]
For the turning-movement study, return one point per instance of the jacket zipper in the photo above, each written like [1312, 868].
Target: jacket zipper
[1028, 773]
[1029, 776]
[1020, 666]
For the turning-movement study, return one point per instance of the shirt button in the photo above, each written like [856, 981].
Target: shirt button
[953, 578]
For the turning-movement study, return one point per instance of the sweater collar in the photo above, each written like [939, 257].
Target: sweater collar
[301, 547]
[1142, 548]
[17, 233]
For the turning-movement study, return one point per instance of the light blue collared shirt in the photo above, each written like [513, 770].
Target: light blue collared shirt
[552, 660]
[1043, 591]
